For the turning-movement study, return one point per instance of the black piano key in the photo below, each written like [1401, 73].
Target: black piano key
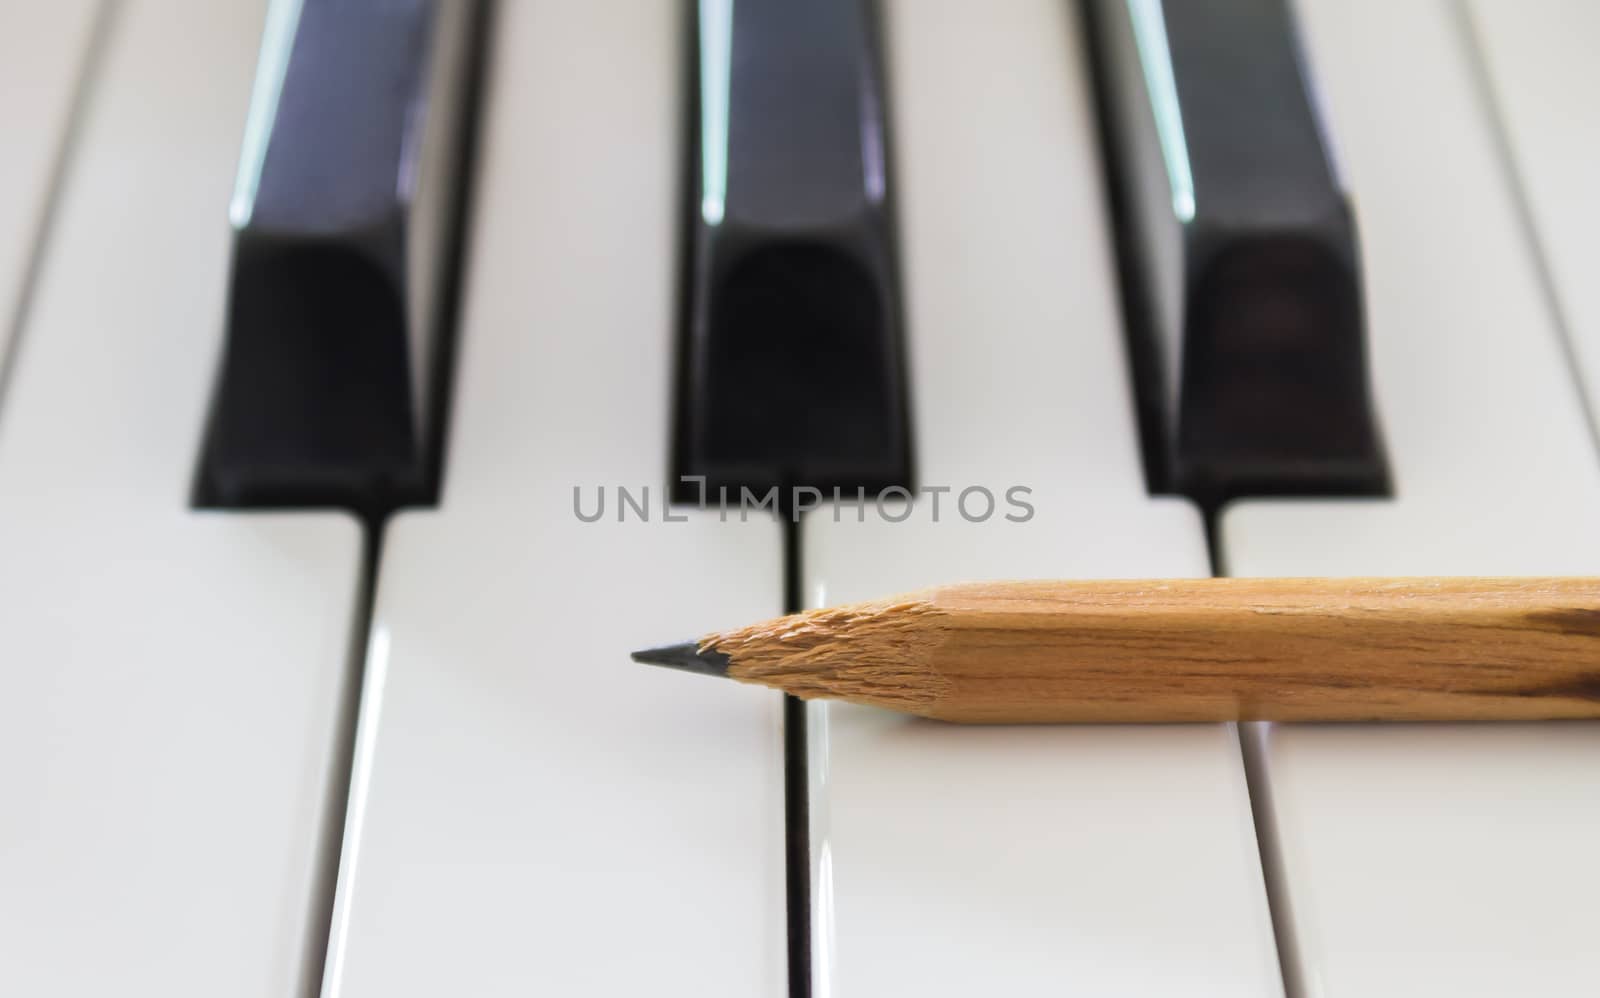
[1238, 254]
[348, 216]
[790, 335]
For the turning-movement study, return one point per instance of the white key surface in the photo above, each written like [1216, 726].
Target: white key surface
[43, 51]
[1105, 860]
[170, 680]
[1448, 859]
[531, 812]
[1538, 61]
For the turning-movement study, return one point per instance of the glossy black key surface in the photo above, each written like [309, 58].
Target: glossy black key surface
[790, 337]
[1238, 253]
[347, 214]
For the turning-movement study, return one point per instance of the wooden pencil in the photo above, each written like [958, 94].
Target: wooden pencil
[1425, 649]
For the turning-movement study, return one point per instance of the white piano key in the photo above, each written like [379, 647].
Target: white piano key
[949, 860]
[43, 51]
[171, 695]
[1443, 859]
[532, 811]
[1540, 70]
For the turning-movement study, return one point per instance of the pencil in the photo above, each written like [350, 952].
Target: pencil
[1425, 649]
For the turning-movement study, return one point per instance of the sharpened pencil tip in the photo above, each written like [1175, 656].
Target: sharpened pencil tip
[687, 657]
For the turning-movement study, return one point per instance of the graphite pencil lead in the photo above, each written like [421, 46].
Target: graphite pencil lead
[687, 657]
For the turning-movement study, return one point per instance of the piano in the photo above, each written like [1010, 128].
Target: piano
[374, 376]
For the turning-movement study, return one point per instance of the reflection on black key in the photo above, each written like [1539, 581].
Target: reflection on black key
[1238, 251]
[347, 216]
[790, 370]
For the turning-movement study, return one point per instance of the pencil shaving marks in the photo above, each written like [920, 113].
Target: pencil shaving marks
[877, 653]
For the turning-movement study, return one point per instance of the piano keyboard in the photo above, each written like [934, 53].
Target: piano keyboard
[272, 718]
[42, 59]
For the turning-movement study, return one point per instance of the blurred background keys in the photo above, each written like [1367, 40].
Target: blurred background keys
[790, 369]
[347, 214]
[1238, 251]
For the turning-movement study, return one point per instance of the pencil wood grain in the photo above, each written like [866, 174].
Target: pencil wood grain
[1197, 650]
